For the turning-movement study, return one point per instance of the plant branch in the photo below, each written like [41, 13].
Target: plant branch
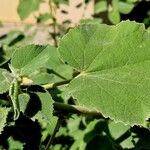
[53, 85]
[53, 13]
[74, 109]
[58, 125]
[27, 82]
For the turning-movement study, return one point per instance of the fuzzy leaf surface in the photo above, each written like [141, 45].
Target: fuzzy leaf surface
[45, 113]
[29, 58]
[114, 66]
[54, 70]
[4, 84]
[3, 117]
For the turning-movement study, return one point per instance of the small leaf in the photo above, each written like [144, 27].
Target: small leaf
[11, 37]
[100, 6]
[53, 71]
[43, 18]
[42, 78]
[29, 58]
[114, 62]
[47, 105]
[93, 20]
[128, 143]
[57, 68]
[14, 145]
[80, 142]
[133, 1]
[3, 117]
[125, 7]
[117, 129]
[4, 83]
[26, 7]
[114, 16]
[23, 101]
[46, 112]
[61, 1]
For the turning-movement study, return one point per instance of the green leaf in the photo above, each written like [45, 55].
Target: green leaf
[57, 68]
[46, 112]
[114, 16]
[3, 117]
[41, 78]
[125, 7]
[133, 1]
[80, 142]
[4, 83]
[148, 29]
[26, 7]
[113, 12]
[23, 101]
[114, 65]
[93, 20]
[47, 105]
[43, 18]
[128, 143]
[100, 6]
[29, 58]
[73, 125]
[53, 71]
[11, 37]
[117, 130]
[14, 145]
[58, 2]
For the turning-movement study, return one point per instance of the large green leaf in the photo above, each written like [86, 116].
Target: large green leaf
[114, 65]
[26, 7]
[3, 117]
[29, 58]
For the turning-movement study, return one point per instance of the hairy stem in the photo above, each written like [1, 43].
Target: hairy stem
[74, 109]
[13, 93]
[53, 85]
[58, 125]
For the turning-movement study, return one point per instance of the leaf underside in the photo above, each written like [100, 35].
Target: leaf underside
[114, 66]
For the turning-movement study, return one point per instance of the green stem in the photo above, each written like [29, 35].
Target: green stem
[74, 109]
[53, 85]
[58, 125]
[52, 12]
